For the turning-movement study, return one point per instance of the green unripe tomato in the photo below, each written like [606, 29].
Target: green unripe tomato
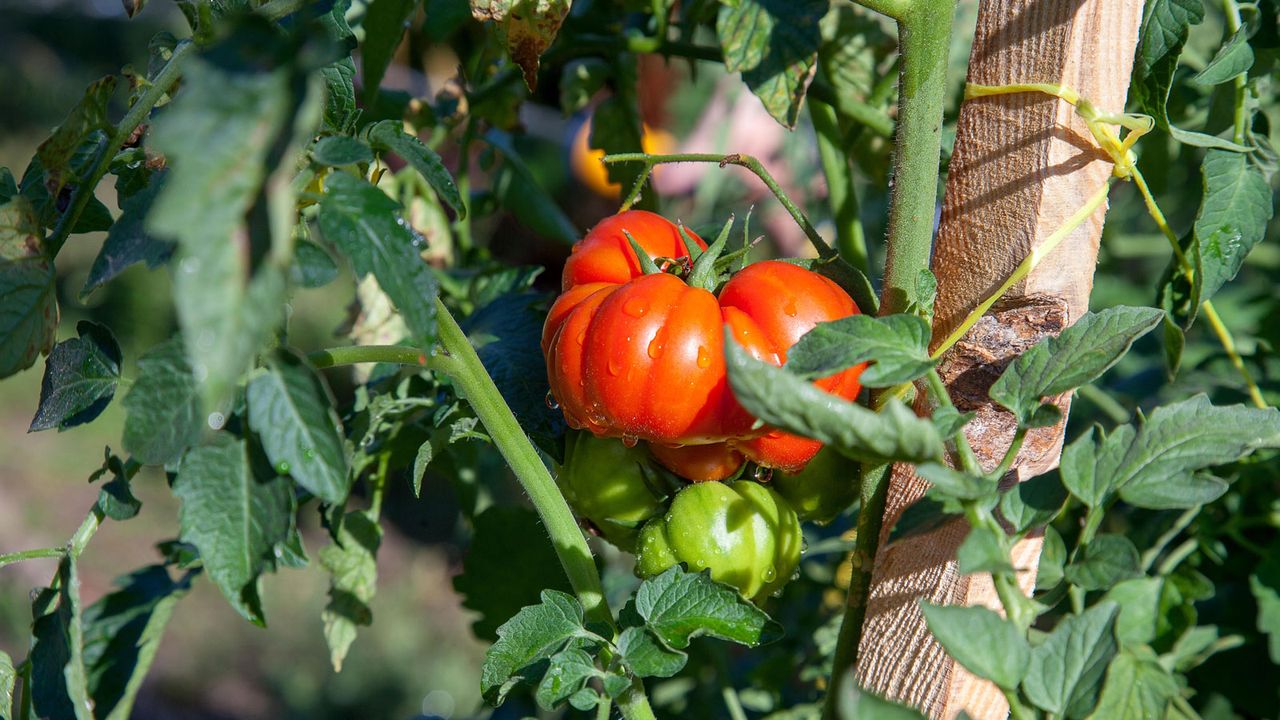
[823, 489]
[745, 533]
[611, 485]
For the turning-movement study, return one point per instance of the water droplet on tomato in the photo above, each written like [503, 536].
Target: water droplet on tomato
[704, 358]
[582, 337]
[217, 420]
[551, 401]
[630, 440]
[763, 474]
[635, 307]
[615, 367]
[790, 307]
[769, 575]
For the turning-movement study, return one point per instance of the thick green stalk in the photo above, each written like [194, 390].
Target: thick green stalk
[842, 195]
[13, 557]
[875, 491]
[463, 365]
[924, 36]
[356, 354]
[80, 196]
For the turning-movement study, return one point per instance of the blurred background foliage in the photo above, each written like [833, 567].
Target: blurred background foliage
[421, 657]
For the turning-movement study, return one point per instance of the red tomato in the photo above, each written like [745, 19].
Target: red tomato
[604, 255]
[699, 463]
[641, 356]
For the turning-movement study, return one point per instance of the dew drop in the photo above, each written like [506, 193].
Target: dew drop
[635, 307]
[308, 453]
[282, 467]
[704, 358]
[804, 546]
[790, 307]
[630, 440]
[582, 337]
[762, 474]
[769, 575]
[551, 401]
[199, 372]
[655, 348]
[189, 266]
[615, 367]
[217, 420]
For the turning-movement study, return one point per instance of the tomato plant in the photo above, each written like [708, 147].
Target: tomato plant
[912, 378]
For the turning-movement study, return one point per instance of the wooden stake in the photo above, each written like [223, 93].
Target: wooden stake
[1022, 165]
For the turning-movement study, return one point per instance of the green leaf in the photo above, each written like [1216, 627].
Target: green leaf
[1150, 466]
[1136, 687]
[59, 685]
[116, 499]
[365, 225]
[128, 241]
[954, 483]
[857, 704]
[774, 44]
[1264, 583]
[529, 25]
[235, 519]
[164, 412]
[1165, 26]
[535, 633]
[986, 644]
[1033, 503]
[339, 150]
[384, 24]
[789, 402]
[1103, 562]
[353, 568]
[678, 606]
[1233, 58]
[390, 135]
[520, 191]
[1053, 558]
[509, 550]
[218, 135]
[80, 378]
[1078, 356]
[983, 550]
[313, 267]
[28, 297]
[87, 117]
[580, 81]
[420, 462]
[1065, 671]
[1233, 216]
[7, 679]
[896, 345]
[292, 411]
[122, 632]
[646, 656]
[568, 673]
[1139, 602]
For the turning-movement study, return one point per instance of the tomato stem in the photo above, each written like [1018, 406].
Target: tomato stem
[746, 161]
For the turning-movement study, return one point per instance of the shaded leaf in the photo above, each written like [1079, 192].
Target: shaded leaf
[1103, 562]
[352, 565]
[567, 674]
[1033, 503]
[339, 150]
[1053, 559]
[646, 656]
[116, 499]
[28, 300]
[164, 412]
[313, 267]
[1264, 583]
[390, 135]
[59, 684]
[365, 225]
[774, 44]
[983, 550]
[235, 519]
[1234, 57]
[954, 483]
[292, 412]
[80, 378]
[87, 117]
[384, 24]
[128, 241]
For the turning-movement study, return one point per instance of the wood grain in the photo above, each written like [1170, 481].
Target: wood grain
[1022, 165]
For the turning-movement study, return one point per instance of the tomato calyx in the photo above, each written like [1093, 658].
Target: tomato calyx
[699, 268]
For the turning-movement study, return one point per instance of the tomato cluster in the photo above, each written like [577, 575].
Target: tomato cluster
[639, 356]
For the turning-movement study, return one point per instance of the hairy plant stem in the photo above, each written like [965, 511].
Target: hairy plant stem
[746, 161]
[924, 37]
[15, 557]
[842, 194]
[968, 461]
[80, 196]
[875, 490]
